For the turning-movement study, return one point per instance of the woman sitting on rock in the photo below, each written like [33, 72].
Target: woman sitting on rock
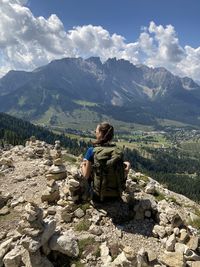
[103, 164]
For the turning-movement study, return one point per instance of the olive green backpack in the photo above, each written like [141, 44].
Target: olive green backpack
[108, 171]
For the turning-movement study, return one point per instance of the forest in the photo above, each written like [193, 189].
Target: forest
[174, 168]
[16, 131]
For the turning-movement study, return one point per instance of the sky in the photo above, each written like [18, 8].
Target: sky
[157, 33]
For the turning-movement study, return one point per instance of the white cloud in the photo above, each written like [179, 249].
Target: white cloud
[27, 42]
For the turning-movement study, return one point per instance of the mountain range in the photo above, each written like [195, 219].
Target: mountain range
[116, 88]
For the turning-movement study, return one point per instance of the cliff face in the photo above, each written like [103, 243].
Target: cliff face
[46, 218]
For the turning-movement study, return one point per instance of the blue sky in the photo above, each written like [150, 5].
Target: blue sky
[126, 17]
[156, 33]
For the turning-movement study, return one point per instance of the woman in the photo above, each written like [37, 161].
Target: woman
[104, 134]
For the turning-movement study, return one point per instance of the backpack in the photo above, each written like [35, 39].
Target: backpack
[108, 171]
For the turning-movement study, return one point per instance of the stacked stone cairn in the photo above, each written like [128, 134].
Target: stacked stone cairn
[56, 173]
[35, 239]
[34, 149]
[48, 160]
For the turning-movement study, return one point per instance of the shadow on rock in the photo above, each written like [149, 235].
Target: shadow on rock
[136, 217]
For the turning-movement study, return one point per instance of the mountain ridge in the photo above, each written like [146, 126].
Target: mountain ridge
[116, 86]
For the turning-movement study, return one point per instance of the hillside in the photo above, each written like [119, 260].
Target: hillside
[45, 222]
[61, 91]
[16, 131]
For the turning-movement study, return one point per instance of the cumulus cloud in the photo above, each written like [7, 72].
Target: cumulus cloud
[27, 42]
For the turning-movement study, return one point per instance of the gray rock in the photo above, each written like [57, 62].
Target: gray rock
[170, 244]
[56, 176]
[193, 242]
[13, 258]
[49, 196]
[57, 169]
[2, 235]
[65, 243]
[96, 230]
[49, 229]
[172, 259]
[196, 264]
[180, 248]
[16, 202]
[176, 231]
[184, 237]
[35, 260]
[150, 188]
[130, 254]
[74, 183]
[105, 257]
[4, 248]
[31, 245]
[4, 211]
[121, 260]
[159, 230]
[79, 213]
[142, 260]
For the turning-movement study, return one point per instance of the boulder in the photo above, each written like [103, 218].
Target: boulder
[56, 176]
[4, 248]
[13, 258]
[35, 260]
[79, 213]
[150, 188]
[193, 242]
[170, 244]
[121, 260]
[65, 243]
[159, 231]
[49, 229]
[105, 256]
[181, 248]
[172, 259]
[57, 169]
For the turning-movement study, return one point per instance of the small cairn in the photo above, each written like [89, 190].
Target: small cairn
[74, 189]
[56, 173]
[35, 239]
[39, 149]
[48, 160]
[35, 234]
[34, 148]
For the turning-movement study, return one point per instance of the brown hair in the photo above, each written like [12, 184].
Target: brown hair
[107, 132]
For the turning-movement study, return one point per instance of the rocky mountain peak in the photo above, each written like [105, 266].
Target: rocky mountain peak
[43, 195]
[95, 60]
[138, 92]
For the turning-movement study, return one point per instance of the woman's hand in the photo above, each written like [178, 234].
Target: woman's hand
[83, 164]
[127, 167]
[86, 167]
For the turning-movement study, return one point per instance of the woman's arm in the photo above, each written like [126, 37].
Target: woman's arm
[127, 167]
[86, 167]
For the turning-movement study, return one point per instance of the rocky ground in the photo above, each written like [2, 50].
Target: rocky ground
[48, 219]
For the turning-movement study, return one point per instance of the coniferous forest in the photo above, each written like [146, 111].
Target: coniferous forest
[16, 131]
[177, 170]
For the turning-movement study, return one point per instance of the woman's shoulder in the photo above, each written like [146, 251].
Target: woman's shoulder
[89, 153]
